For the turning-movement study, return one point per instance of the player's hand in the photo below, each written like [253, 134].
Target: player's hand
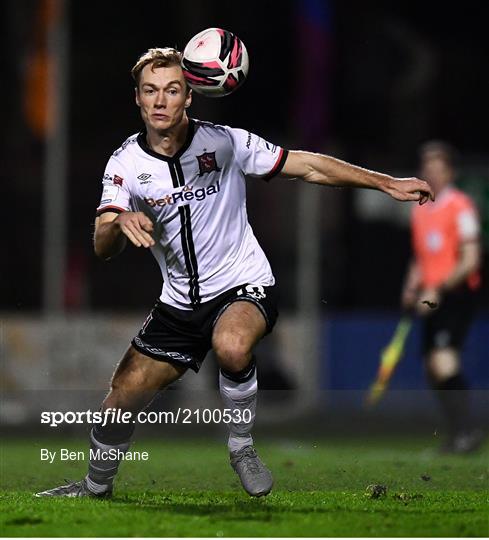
[410, 189]
[428, 301]
[137, 227]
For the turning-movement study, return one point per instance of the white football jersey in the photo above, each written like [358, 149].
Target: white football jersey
[196, 200]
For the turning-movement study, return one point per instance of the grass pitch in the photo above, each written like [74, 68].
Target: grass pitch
[187, 488]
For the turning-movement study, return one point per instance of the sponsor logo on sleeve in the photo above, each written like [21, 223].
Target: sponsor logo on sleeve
[118, 180]
[109, 194]
[265, 145]
[248, 141]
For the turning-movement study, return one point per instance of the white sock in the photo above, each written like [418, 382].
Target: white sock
[101, 471]
[239, 397]
[94, 487]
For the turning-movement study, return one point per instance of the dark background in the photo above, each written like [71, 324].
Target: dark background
[397, 75]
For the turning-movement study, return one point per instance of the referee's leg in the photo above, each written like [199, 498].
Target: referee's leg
[444, 334]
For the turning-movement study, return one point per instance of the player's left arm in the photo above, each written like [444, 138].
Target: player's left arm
[330, 171]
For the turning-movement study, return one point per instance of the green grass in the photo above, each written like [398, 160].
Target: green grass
[188, 489]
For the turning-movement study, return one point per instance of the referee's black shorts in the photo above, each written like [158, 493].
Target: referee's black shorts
[448, 325]
[184, 337]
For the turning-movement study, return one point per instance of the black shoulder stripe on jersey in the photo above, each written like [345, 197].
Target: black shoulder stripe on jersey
[278, 166]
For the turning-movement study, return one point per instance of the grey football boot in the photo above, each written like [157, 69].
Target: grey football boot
[255, 477]
[75, 489]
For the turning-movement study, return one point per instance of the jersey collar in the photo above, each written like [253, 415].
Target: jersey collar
[188, 141]
[444, 196]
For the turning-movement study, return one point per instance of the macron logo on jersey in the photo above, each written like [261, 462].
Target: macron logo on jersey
[186, 194]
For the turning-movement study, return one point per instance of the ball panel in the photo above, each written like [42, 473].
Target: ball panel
[195, 81]
[205, 46]
[205, 69]
[226, 43]
[231, 83]
[221, 73]
[236, 54]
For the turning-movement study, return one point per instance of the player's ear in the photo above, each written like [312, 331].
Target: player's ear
[136, 96]
[188, 99]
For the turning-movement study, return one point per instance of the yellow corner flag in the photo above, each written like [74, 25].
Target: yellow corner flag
[389, 359]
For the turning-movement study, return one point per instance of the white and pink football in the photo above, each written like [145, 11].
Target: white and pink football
[215, 62]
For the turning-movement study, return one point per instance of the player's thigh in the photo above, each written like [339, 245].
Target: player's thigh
[238, 330]
[138, 378]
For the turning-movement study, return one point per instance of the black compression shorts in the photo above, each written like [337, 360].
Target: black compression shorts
[184, 337]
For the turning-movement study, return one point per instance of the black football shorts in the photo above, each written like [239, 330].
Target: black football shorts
[184, 337]
[448, 325]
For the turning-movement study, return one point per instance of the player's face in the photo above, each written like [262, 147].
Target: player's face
[437, 172]
[162, 97]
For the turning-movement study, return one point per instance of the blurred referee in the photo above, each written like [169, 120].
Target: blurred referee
[441, 286]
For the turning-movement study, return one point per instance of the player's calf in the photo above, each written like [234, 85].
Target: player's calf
[238, 392]
[105, 457]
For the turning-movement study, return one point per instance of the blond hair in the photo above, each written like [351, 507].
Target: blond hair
[157, 57]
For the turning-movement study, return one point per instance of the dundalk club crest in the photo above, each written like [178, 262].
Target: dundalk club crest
[207, 163]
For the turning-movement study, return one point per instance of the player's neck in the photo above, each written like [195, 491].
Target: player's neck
[168, 142]
[443, 190]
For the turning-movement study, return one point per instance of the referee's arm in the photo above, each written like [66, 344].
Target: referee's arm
[469, 260]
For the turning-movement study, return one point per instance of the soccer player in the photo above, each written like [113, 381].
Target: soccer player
[178, 188]
[441, 285]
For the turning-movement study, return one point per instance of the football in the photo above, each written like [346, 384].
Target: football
[215, 62]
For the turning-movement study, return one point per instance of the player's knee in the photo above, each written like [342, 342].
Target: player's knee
[443, 364]
[129, 387]
[233, 354]
[126, 398]
[115, 399]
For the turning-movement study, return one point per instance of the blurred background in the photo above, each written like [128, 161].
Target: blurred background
[365, 84]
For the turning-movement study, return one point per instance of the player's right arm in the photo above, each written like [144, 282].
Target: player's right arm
[112, 231]
[115, 221]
